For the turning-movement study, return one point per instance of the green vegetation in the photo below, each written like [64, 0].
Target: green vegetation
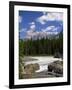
[41, 46]
[21, 48]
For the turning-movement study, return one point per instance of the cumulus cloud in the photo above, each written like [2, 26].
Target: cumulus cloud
[48, 28]
[23, 30]
[50, 17]
[42, 19]
[51, 30]
[55, 29]
[33, 33]
[32, 23]
[32, 26]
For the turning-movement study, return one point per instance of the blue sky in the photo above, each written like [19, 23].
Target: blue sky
[33, 23]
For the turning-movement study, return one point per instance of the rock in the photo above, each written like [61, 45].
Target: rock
[21, 71]
[56, 67]
[36, 66]
[31, 68]
[58, 62]
[58, 55]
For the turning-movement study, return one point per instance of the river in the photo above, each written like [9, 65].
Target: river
[43, 61]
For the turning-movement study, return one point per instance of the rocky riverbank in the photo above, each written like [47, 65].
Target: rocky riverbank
[54, 69]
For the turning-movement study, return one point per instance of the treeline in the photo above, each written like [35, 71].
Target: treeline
[42, 46]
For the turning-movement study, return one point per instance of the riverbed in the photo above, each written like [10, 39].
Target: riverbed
[43, 61]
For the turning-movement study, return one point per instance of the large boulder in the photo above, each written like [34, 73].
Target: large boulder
[56, 67]
[31, 68]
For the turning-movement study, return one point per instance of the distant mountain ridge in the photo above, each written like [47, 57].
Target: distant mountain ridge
[46, 35]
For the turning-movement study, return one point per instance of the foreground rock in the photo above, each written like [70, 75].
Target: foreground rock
[29, 70]
[31, 67]
[56, 67]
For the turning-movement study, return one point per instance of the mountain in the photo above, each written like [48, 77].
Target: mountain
[39, 35]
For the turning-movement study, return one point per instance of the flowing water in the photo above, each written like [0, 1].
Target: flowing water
[43, 61]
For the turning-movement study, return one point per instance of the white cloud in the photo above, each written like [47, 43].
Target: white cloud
[23, 30]
[32, 26]
[50, 28]
[50, 17]
[42, 19]
[32, 23]
[20, 19]
[55, 29]
[55, 16]
[31, 32]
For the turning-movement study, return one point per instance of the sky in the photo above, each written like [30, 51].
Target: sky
[33, 24]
